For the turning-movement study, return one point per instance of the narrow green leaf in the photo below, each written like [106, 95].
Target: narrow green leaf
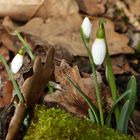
[111, 80]
[132, 84]
[11, 77]
[131, 97]
[91, 105]
[108, 119]
[26, 45]
[91, 115]
[123, 119]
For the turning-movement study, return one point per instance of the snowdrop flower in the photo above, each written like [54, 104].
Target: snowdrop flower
[99, 47]
[17, 61]
[86, 27]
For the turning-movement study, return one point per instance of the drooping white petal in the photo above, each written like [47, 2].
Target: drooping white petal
[98, 51]
[16, 63]
[86, 27]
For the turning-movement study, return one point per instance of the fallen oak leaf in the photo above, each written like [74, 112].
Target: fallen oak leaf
[68, 97]
[32, 90]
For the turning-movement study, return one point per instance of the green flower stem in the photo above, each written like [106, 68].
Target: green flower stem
[110, 75]
[94, 79]
[19, 94]
[25, 44]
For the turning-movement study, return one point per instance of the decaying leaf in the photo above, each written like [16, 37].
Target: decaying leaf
[134, 6]
[4, 52]
[8, 40]
[91, 7]
[58, 32]
[132, 16]
[64, 32]
[120, 65]
[7, 91]
[64, 7]
[32, 90]
[68, 96]
[42, 8]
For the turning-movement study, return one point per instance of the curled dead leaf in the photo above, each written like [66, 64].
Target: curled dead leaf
[32, 90]
[68, 96]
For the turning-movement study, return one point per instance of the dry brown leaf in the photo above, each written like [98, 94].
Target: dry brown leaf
[8, 40]
[58, 32]
[91, 7]
[35, 84]
[132, 16]
[4, 52]
[64, 32]
[120, 65]
[68, 96]
[32, 90]
[7, 94]
[24, 10]
[134, 6]
[56, 8]
[21, 8]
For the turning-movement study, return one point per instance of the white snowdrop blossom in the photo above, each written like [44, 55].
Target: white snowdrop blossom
[98, 51]
[86, 27]
[16, 63]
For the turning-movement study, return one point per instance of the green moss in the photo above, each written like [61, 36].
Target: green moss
[55, 124]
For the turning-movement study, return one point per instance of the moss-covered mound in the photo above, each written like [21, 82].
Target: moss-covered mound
[55, 124]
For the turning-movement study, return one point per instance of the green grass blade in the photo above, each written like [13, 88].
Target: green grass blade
[94, 77]
[123, 119]
[128, 107]
[91, 105]
[108, 119]
[111, 79]
[26, 45]
[91, 115]
[16, 87]
[132, 84]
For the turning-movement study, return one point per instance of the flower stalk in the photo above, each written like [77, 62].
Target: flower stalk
[85, 41]
[109, 71]
[16, 87]
[25, 44]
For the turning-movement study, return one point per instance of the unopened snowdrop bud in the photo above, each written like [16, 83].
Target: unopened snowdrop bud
[99, 47]
[17, 61]
[86, 27]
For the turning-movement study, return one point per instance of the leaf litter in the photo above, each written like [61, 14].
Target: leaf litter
[60, 29]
